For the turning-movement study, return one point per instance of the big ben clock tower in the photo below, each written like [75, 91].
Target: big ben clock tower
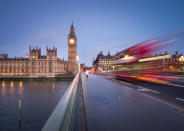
[72, 50]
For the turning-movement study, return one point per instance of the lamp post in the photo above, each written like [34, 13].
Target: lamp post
[181, 59]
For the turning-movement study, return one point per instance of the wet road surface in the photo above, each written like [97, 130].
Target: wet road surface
[113, 106]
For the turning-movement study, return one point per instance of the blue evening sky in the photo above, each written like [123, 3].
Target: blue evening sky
[107, 25]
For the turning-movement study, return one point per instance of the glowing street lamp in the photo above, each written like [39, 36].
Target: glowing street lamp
[77, 58]
[181, 59]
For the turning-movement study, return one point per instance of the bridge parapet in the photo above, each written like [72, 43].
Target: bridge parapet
[66, 114]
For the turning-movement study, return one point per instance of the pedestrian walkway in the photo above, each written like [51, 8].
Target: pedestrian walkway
[112, 106]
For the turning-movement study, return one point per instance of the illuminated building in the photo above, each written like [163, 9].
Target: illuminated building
[82, 66]
[153, 64]
[103, 63]
[37, 65]
[173, 64]
[72, 51]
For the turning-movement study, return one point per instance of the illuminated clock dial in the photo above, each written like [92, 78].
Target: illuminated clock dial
[71, 41]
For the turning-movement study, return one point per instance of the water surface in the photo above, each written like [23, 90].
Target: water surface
[38, 101]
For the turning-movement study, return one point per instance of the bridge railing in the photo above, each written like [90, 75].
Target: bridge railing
[62, 116]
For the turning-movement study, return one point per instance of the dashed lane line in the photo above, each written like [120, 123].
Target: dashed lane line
[145, 89]
[171, 84]
[125, 83]
[179, 99]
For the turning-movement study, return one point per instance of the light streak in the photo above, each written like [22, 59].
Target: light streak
[170, 77]
[156, 58]
[162, 43]
[143, 44]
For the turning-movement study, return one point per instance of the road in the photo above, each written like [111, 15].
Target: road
[172, 92]
[116, 106]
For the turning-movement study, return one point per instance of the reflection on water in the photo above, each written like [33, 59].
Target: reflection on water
[38, 99]
[11, 90]
[3, 84]
[11, 84]
[21, 89]
[3, 91]
[20, 84]
[11, 87]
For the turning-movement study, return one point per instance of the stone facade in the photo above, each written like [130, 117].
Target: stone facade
[72, 50]
[103, 63]
[36, 65]
[173, 64]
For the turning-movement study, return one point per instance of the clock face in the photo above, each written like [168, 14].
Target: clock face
[71, 41]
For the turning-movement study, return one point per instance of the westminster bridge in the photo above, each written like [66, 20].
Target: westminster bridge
[102, 103]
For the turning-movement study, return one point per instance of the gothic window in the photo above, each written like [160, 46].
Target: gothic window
[50, 67]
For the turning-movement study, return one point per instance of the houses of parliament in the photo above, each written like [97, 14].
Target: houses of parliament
[38, 65]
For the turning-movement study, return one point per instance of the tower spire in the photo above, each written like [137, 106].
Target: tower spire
[72, 27]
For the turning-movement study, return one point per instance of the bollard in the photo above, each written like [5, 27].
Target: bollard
[20, 106]
[20, 109]
[53, 89]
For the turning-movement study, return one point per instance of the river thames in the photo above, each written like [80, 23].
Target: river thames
[38, 101]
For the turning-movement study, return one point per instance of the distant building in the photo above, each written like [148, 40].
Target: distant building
[173, 64]
[103, 62]
[82, 66]
[158, 63]
[37, 65]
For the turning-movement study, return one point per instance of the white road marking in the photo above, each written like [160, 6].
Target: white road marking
[175, 85]
[125, 83]
[171, 84]
[180, 99]
[119, 97]
[145, 89]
